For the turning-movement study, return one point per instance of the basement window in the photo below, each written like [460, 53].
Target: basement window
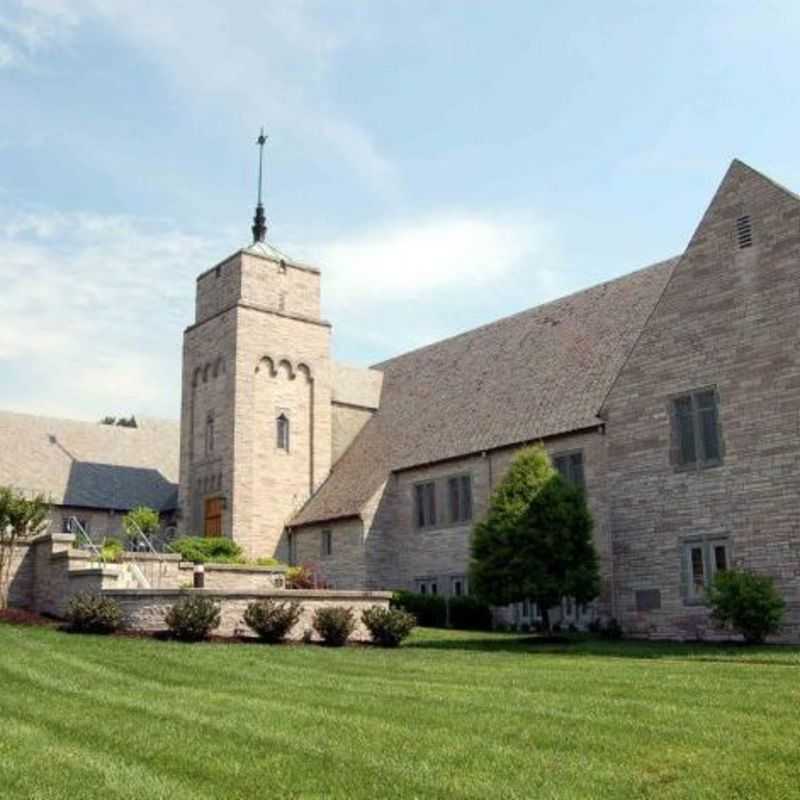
[744, 232]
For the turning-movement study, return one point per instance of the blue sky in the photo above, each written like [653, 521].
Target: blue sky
[444, 163]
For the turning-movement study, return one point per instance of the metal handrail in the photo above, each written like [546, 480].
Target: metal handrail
[141, 534]
[75, 523]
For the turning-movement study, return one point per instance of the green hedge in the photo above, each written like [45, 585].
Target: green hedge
[430, 610]
[210, 549]
[434, 610]
[469, 614]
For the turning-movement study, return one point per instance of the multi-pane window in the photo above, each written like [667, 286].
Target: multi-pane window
[209, 440]
[696, 434]
[459, 498]
[282, 432]
[458, 585]
[425, 504]
[425, 586]
[702, 560]
[326, 544]
[570, 465]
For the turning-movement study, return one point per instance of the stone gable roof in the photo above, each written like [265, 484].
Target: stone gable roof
[539, 373]
[85, 464]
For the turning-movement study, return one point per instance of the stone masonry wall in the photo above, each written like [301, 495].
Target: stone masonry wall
[208, 381]
[346, 423]
[393, 553]
[728, 320]
[345, 567]
[283, 367]
[145, 610]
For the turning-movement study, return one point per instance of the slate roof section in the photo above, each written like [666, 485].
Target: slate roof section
[85, 464]
[539, 373]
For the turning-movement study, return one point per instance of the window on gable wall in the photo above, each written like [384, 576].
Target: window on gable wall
[459, 494]
[326, 543]
[282, 432]
[570, 466]
[425, 504]
[702, 560]
[695, 426]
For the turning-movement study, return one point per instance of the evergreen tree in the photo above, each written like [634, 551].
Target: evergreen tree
[536, 540]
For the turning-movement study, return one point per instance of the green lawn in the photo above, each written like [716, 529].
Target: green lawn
[448, 715]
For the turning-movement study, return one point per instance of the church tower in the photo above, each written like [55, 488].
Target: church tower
[256, 400]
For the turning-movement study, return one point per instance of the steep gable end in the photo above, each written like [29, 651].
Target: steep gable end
[731, 279]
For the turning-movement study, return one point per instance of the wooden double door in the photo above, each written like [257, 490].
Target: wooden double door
[212, 524]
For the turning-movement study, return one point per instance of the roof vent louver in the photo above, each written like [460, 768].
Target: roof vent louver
[744, 232]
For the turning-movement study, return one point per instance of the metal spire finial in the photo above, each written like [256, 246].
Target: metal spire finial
[259, 220]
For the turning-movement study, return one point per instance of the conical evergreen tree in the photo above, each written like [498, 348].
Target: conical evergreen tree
[536, 540]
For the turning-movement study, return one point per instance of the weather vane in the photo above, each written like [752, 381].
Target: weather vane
[259, 220]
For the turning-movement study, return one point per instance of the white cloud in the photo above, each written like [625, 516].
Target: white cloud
[399, 286]
[93, 307]
[92, 312]
[260, 61]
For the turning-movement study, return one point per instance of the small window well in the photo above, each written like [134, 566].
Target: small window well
[744, 232]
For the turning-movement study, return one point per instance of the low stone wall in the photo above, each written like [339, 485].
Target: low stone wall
[144, 610]
[235, 577]
[47, 570]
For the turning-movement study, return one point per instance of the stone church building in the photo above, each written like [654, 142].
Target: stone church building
[672, 395]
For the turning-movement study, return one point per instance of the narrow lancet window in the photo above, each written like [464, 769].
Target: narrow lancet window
[282, 432]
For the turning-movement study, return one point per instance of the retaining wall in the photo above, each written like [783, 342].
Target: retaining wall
[144, 610]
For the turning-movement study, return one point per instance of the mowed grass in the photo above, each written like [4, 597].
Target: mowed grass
[450, 714]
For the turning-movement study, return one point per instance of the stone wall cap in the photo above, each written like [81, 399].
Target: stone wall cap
[106, 572]
[258, 569]
[283, 594]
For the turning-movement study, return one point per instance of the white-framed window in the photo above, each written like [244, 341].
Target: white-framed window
[425, 504]
[702, 560]
[326, 543]
[459, 498]
[282, 432]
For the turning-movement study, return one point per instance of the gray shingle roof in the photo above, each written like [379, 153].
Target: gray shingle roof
[86, 464]
[538, 373]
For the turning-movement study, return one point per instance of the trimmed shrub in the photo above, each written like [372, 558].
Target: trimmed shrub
[430, 610]
[388, 626]
[334, 624]
[93, 613]
[208, 550]
[746, 603]
[469, 614]
[272, 621]
[112, 550]
[192, 619]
